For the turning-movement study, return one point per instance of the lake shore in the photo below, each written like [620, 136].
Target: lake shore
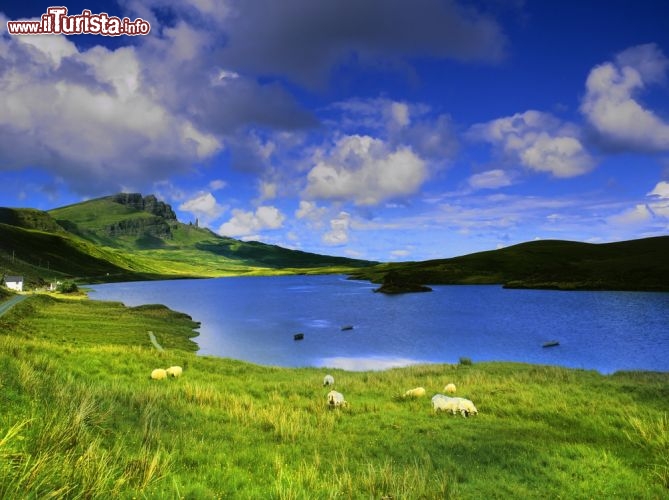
[76, 390]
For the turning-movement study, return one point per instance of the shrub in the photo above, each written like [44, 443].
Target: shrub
[68, 287]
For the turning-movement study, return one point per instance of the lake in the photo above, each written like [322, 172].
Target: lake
[255, 318]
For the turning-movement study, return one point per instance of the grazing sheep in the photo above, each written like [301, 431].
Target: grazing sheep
[174, 371]
[466, 407]
[454, 405]
[159, 374]
[328, 380]
[445, 403]
[418, 392]
[450, 388]
[335, 399]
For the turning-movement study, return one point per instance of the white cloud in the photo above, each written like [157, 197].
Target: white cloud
[538, 141]
[245, 223]
[217, 184]
[363, 169]
[204, 206]
[611, 105]
[312, 213]
[400, 114]
[661, 190]
[339, 228]
[638, 215]
[87, 117]
[491, 179]
[399, 254]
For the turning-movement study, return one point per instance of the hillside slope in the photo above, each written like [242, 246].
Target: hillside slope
[629, 265]
[128, 237]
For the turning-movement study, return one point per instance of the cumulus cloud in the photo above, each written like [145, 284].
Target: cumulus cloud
[611, 103]
[538, 141]
[244, 223]
[86, 116]
[339, 228]
[431, 136]
[311, 212]
[653, 212]
[204, 206]
[364, 170]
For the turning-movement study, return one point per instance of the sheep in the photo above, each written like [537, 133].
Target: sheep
[450, 388]
[328, 380]
[174, 371]
[336, 399]
[418, 392]
[159, 374]
[444, 403]
[454, 405]
[466, 407]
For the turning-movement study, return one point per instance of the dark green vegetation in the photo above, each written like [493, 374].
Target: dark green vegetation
[129, 237]
[81, 419]
[394, 283]
[629, 265]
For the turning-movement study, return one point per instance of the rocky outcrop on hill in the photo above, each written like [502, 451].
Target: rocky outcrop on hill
[158, 224]
[154, 226]
[148, 204]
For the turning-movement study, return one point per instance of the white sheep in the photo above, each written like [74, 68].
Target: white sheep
[174, 371]
[328, 380]
[336, 399]
[418, 392]
[466, 407]
[450, 388]
[159, 374]
[445, 403]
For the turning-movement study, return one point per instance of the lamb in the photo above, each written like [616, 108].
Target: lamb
[174, 371]
[328, 380]
[159, 374]
[450, 388]
[418, 392]
[336, 399]
[445, 403]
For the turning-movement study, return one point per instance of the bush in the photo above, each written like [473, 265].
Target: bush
[67, 287]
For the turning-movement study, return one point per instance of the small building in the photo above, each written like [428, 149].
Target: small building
[14, 283]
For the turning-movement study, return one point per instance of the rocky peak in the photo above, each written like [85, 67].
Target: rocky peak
[148, 204]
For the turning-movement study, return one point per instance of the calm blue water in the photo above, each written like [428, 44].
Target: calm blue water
[255, 318]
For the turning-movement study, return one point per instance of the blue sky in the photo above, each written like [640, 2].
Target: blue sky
[379, 129]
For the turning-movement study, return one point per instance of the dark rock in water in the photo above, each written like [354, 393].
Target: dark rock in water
[346, 327]
[393, 283]
[298, 336]
[550, 343]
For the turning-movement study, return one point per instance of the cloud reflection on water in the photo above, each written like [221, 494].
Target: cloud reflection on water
[375, 363]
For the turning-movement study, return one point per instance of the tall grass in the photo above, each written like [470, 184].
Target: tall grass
[84, 420]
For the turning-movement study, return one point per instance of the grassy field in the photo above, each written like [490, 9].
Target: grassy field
[82, 419]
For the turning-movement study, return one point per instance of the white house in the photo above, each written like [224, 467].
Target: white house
[14, 283]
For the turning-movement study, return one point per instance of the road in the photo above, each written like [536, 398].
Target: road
[8, 304]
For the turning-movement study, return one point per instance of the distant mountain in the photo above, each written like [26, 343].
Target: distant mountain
[128, 236]
[553, 264]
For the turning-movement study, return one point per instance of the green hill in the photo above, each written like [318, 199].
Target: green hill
[130, 237]
[629, 265]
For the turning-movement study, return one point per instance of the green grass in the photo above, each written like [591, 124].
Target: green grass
[104, 241]
[81, 419]
[566, 265]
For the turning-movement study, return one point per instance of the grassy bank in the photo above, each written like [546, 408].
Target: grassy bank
[82, 419]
